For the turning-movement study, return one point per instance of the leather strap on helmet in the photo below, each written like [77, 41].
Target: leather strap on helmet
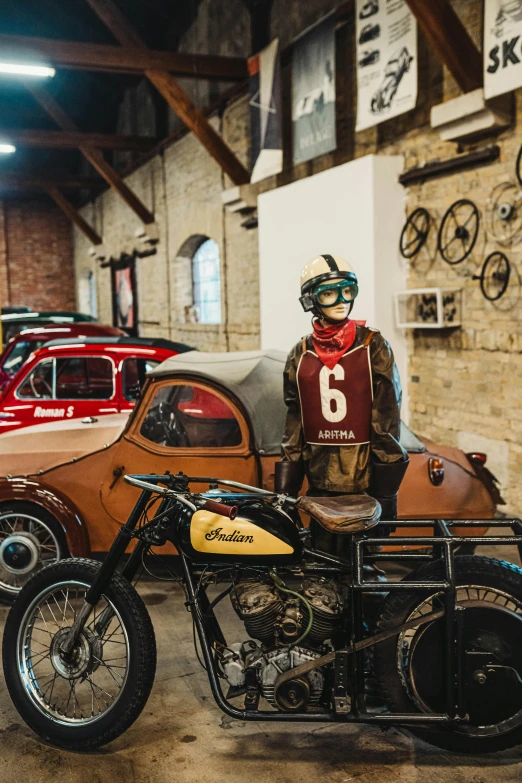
[330, 260]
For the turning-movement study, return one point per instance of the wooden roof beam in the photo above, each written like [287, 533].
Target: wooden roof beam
[450, 40]
[10, 181]
[73, 215]
[173, 93]
[91, 153]
[74, 139]
[115, 59]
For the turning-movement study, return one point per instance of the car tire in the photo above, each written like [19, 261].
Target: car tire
[30, 539]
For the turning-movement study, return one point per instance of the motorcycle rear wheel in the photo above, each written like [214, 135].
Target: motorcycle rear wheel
[409, 670]
[90, 697]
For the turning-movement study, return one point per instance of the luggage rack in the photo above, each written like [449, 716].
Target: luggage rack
[443, 544]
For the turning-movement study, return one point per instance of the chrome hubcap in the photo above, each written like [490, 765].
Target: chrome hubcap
[27, 544]
[19, 553]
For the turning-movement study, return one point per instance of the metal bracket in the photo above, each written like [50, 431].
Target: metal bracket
[341, 700]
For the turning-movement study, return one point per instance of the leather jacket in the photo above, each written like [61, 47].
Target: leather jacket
[349, 468]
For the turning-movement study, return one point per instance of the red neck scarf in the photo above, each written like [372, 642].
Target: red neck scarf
[334, 340]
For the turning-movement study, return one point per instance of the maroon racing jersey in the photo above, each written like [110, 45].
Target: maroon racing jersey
[336, 404]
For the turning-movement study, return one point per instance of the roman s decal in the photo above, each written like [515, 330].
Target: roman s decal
[217, 535]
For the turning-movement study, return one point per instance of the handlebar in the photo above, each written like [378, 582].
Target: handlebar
[209, 505]
[221, 508]
[144, 485]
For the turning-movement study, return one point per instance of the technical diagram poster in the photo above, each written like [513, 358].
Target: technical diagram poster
[386, 33]
[313, 91]
[265, 112]
[502, 46]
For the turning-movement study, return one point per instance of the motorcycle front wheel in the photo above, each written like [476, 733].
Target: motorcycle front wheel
[409, 668]
[92, 695]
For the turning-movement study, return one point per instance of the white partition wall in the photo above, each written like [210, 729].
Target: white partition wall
[356, 211]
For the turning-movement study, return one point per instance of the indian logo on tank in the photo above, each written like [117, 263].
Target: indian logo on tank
[212, 533]
[218, 535]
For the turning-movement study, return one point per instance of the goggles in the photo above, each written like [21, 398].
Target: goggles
[332, 294]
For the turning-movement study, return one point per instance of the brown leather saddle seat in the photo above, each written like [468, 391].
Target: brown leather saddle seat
[343, 515]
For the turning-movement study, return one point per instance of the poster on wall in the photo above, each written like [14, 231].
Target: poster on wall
[265, 112]
[386, 51]
[124, 298]
[313, 91]
[502, 46]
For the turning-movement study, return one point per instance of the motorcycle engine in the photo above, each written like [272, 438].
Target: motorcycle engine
[277, 619]
[274, 617]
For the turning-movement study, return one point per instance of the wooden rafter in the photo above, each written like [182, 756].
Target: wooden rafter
[75, 139]
[104, 57]
[44, 182]
[91, 153]
[451, 41]
[173, 93]
[73, 215]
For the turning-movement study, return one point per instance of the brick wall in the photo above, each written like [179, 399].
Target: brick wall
[36, 256]
[463, 386]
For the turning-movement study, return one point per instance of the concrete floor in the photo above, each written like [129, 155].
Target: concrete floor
[182, 736]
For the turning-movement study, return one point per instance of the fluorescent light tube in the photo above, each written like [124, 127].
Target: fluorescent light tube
[26, 70]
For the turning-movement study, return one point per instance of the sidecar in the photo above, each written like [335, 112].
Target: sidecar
[61, 483]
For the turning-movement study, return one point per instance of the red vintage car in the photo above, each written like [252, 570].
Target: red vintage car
[73, 378]
[21, 346]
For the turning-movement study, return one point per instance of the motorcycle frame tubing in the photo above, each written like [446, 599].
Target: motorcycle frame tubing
[442, 544]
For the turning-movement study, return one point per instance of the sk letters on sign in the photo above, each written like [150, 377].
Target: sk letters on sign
[502, 46]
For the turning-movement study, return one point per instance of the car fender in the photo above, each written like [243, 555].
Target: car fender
[26, 490]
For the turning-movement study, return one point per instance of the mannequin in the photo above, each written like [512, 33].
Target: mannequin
[343, 394]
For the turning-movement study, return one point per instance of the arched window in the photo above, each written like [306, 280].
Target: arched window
[87, 302]
[206, 282]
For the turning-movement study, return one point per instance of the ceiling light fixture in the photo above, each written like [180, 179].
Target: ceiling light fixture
[7, 149]
[19, 69]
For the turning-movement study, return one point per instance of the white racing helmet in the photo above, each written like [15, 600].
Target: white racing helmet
[318, 272]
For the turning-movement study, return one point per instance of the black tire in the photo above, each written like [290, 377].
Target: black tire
[141, 667]
[30, 511]
[470, 570]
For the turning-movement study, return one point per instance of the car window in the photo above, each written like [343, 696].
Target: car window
[18, 355]
[187, 416]
[133, 374]
[84, 378]
[39, 383]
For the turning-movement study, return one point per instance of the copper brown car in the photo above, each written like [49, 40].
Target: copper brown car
[208, 414]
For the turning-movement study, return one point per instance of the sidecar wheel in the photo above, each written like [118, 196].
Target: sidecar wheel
[408, 667]
[91, 696]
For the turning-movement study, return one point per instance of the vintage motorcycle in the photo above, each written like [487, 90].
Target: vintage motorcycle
[443, 650]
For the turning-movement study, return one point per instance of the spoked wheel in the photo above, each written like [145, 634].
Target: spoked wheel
[409, 668]
[29, 540]
[90, 696]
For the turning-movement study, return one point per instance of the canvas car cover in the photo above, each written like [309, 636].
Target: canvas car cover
[256, 379]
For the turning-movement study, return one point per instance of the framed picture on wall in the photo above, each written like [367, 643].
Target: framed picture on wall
[124, 296]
